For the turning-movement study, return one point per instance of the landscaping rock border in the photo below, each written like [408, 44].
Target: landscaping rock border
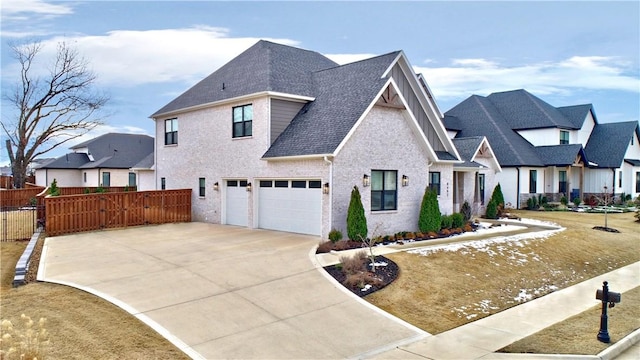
[22, 267]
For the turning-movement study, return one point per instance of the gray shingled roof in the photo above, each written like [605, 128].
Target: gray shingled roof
[342, 94]
[633, 162]
[608, 143]
[577, 114]
[478, 116]
[467, 148]
[113, 150]
[146, 163]
[522, 110]
[560, 155]
[265, 66]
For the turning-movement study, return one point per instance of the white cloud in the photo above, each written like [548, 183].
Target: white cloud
[128, 58]
[482, 76]
[16, 9]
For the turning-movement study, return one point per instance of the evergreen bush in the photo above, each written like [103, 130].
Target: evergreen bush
[54, 190]
[335, 235]
[497, 196]
[446, 222]
[457, 220]
[429, 220]
[356, 220]
[492, 210]
[465, 210]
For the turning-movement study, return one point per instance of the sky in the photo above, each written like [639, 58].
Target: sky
[146, 53]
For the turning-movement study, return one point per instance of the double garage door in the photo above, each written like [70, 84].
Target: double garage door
[284, 205]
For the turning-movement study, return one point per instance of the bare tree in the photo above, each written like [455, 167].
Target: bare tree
[49, 110]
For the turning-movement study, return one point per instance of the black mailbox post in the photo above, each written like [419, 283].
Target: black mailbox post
[607, 297]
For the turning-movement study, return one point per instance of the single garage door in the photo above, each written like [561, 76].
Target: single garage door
[290, 205]
[236, 203]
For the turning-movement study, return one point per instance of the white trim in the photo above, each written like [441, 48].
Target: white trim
[493, 155]
[300, 98]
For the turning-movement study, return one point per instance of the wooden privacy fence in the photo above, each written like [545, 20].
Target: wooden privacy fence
[19, 197]
[88, 212]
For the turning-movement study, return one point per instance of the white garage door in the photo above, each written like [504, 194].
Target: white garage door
[290, 205]
[236, 204]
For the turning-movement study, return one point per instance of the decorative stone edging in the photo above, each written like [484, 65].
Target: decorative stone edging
[23, 263]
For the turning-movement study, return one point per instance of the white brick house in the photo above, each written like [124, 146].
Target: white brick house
[278, 137]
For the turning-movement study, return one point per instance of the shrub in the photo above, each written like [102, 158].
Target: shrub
[341, 245]
[576, 201]
[492, 210]
[360, 280]
[497, 195]
[445, 232]
[24, 342]
[432, 234]
[324, 247]
[531, 203]
[410, 236]
[430, 218]
[54, 190]
[335, 235]
[356, 221]
[564, 201]
[86, 191]
[465, 210]
[637, 215]
[457, 220]
[446, 222]
[467, 227]
[353, 264]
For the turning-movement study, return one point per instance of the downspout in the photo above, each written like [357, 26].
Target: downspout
[330, 191]
[517, 187]
[613, 186]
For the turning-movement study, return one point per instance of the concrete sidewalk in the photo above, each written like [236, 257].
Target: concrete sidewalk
[479, 339]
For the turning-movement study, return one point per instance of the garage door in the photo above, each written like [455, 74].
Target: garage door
[290, 205]
[236, 203]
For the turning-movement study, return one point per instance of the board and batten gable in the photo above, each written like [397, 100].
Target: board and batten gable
[282, 112]
[587, 128]
[548, 136]
[383, 141]
[416, 108]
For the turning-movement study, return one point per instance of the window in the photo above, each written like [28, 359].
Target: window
[434, 181]
[315, 184]
[298, 184]
[533, 181]
[266, 183]
[242, 120]
[202, 187]
[638, 181]
[384, 189]
[282, 183]
[132, 179]
[619, 179]
[564, 137]
[562, 182]
[163, 184]
[106, 179]
[171, 131]
[481, 181]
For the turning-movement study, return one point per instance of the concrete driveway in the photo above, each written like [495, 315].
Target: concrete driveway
[220, 291]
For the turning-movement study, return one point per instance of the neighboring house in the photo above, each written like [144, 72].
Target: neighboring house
[144, 173]
[106, 160]
[278, 137]
[549, 151]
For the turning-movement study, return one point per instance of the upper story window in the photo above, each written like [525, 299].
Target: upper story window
[434, 181]
[242, 120]
[384, 193]
[171, 131]
[564, 137]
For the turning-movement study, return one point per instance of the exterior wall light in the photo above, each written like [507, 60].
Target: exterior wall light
[216, 186]
[366, 180]
[405, 180]
[248, 187]
[325, 188]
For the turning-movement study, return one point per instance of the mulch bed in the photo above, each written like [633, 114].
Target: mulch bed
[386, 273]
[607, 229]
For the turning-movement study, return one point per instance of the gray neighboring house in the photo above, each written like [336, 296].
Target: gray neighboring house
[107, 160]
[555, 152]
[278, 137]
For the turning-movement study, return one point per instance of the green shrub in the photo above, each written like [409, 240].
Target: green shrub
[335, 235]
[356, 220]
[576, 201]
[465, 210]
[531, 203]
[86, 190]
[446, 221]
[429, 212]
[54, 190]
[564, 201]
[457, 220]
[497, 196]
[492, 210]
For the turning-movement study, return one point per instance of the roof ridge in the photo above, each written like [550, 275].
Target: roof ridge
[499, 130]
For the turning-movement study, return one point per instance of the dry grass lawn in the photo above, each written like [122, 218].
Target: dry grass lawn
[458, 287]
[81, 326]
[578, 334]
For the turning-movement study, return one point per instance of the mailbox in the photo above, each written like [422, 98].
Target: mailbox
[613, 297]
